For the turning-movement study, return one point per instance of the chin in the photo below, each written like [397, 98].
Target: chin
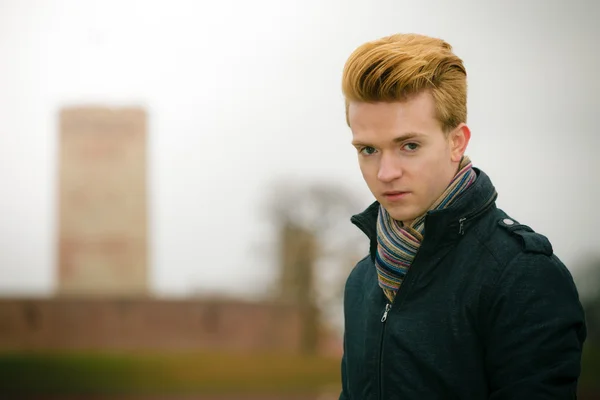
[400, 213]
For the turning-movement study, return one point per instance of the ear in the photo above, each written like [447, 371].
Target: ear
[458, 140]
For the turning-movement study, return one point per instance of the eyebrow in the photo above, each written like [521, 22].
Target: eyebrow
[401, 138]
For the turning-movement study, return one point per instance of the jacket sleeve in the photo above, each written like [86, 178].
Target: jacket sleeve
[344, 395]
[534, 331]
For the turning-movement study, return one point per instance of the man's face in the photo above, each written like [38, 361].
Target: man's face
[405, 157]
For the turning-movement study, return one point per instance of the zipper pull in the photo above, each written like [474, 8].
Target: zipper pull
[461, 229]
[388, 307]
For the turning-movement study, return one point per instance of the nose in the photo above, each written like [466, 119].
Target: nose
[389, 168]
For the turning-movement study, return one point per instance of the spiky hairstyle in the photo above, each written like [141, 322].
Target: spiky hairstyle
[396, 67]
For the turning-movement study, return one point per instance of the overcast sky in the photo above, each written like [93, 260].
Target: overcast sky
[242, 92]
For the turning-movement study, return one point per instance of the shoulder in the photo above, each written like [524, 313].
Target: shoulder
[515, 251]
[525, 259]
[360, 271]
[507, 240]
[527, 239]
[361, 278]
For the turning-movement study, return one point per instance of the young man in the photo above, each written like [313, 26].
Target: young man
[456, 299]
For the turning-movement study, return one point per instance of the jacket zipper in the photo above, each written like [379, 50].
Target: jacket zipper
[388, 307]
[384, 318]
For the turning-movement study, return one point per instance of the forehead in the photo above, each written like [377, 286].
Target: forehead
[394, 118]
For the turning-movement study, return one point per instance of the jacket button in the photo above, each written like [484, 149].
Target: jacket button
[507, 221]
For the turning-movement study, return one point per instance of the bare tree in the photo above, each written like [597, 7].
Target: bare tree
[317, 247]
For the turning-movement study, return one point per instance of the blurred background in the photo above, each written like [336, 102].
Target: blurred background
[177, 181]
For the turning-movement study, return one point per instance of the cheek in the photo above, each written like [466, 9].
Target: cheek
[365, 170]
[425, 175]
[369, 172]
[433, 163]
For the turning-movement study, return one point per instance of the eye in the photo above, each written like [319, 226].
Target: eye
[367, 150]
[411, 146]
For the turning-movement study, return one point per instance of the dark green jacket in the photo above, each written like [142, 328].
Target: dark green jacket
[486, 311]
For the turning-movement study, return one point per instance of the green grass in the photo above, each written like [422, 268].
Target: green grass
[198, 373]
[94, 373]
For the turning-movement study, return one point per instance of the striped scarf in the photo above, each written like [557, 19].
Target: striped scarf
[397, 244]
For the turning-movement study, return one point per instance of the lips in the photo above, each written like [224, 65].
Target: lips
[395, 195]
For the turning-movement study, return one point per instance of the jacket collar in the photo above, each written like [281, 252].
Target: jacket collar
[445, 225]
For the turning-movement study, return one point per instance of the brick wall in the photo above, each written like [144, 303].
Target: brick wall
[138, 324]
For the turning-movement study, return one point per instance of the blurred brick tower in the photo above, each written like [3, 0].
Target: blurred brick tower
[102, 215]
